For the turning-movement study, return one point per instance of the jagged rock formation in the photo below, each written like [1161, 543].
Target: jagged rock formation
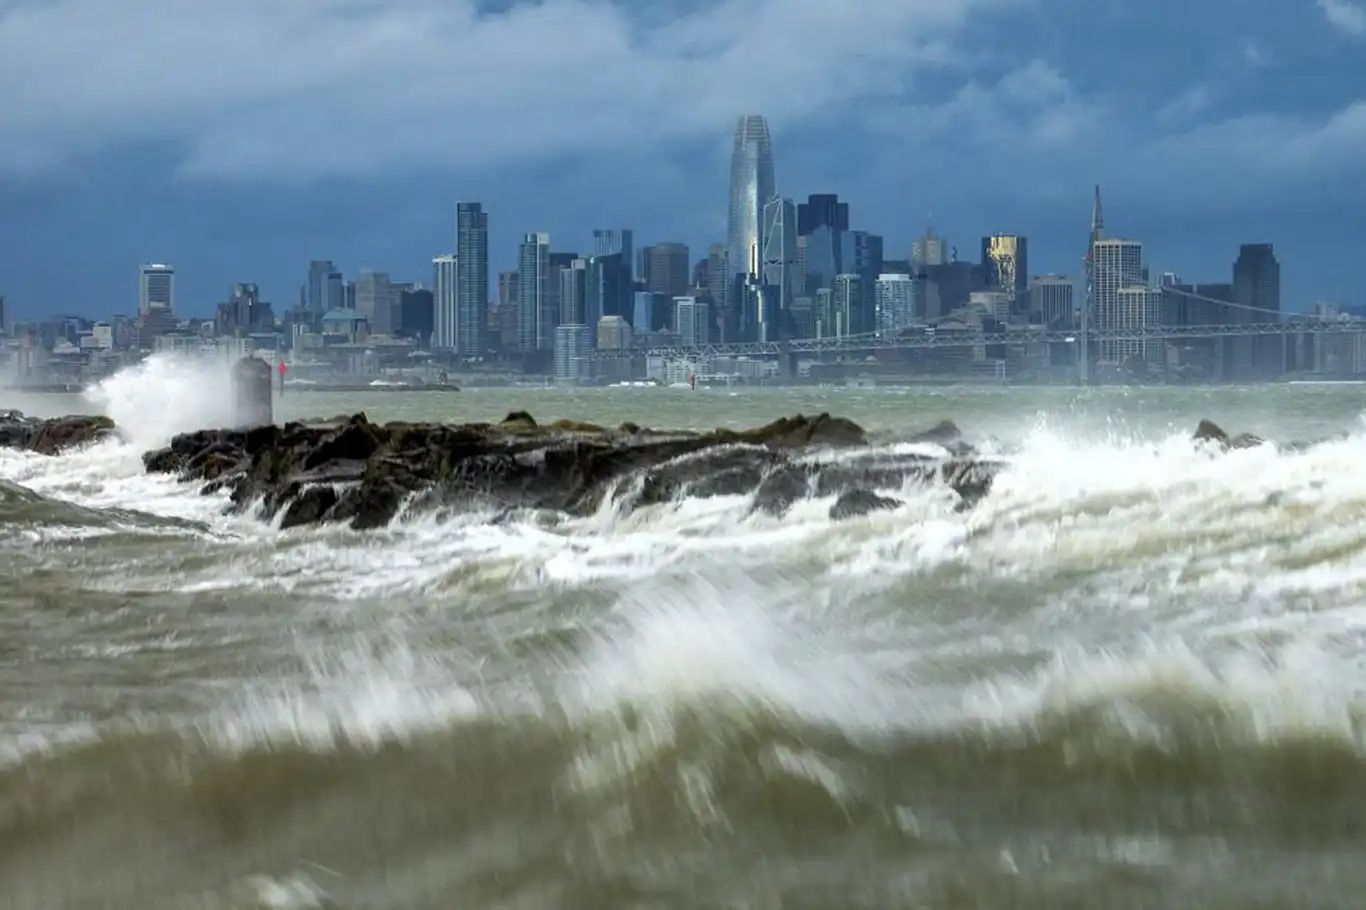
[352, 470]
[355, 471]
[53, 436]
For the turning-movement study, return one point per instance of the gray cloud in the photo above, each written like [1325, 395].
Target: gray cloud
[258, 87]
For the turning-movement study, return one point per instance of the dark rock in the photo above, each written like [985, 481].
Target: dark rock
[942, 432]
[783, 485]
[1209, 431]
[309, 506]
[354, 471]
[853, 503]
[54, 436]
[519, 420]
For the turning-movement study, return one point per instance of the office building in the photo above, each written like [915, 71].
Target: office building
[573, 351]
[445, 305]
[692, 321]
[376, 301]
[537, 299]
[156, 288]
[1115, 264]
[1052, 301]
[772, 320]
[472, 279]
[664, 268]
[894, 296]
[1005, 268]
[1256, 299]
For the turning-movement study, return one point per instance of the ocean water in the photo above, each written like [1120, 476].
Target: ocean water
[1132, 676]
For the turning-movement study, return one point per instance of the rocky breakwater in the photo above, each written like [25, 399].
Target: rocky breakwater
[355, 471]
[52, 436]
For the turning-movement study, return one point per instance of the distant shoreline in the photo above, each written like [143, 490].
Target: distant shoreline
[289, 390]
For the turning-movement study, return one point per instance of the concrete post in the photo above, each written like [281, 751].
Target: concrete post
[251, 393]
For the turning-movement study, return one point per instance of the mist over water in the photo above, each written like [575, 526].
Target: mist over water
[1131, 676]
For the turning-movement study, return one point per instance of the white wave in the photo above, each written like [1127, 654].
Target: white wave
[1107, 540]
[164, 395]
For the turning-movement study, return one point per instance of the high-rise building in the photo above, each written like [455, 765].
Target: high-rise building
[929, 249]
[1115, 264]
[664, 268]
[1257, 298]
[537, 310]
[323, 290]
[752, 185]
[336, 292]
[416, 315]
[611, 284]
[156, 288]
[1137, 307]
[652, 311]
[574, 293]
[894, 296]
[244, 312]
[822, 209]
[824, 319]
[846, 302]
[718, 272]
[445, 324]
[1051, 301]
[573, 347]
[773, 319]
[614, 334]
[376, 300]
[861, 254]
[472, 278]
[692, 321]
[1005, 268]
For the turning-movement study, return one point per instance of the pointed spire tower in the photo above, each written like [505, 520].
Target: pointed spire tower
[1097, 217]
[1088, 300]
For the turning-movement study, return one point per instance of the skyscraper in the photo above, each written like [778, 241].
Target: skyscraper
[752, 185]
[779, 269]
[323, 278]
[611, 290]
[1257, 293]
[445, 328]
[472, 279]
[822, 209]
[1115, 264]
[929, 249]
[847, 298]
[894, 295]
[1005, 268]
[375, 300]
[536, 297]
[664, 268]
[692, 321]
[1050, 301]
[156, 288]
[573, 293]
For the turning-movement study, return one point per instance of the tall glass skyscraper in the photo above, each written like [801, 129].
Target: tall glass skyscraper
[752, 185]
[472, 279]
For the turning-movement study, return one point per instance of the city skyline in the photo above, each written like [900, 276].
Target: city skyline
[994, 116]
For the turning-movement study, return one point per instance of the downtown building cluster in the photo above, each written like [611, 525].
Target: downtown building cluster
[785, 271]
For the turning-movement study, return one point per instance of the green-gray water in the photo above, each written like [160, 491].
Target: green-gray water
[1131, 677]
